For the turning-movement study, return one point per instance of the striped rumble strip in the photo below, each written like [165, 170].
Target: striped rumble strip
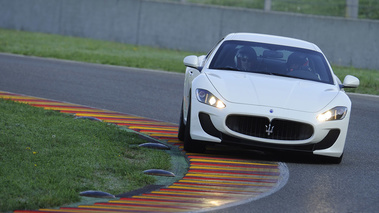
[211, 181]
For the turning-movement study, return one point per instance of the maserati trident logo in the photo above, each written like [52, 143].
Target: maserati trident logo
[269, 129]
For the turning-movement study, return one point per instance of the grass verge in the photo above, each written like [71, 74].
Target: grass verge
[89, 50]
[47, 158]
[105, 52]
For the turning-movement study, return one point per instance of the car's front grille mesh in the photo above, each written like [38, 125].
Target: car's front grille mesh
[261, 127]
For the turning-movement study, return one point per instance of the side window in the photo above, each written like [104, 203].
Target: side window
[204, 58]
[211, 51]
[225, 56]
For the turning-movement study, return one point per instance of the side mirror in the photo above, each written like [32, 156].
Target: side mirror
[191, 61]
[350, 82]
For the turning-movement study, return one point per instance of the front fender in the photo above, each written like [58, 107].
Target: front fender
[189, 76]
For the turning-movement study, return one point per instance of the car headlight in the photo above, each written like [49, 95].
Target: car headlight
[337, 113]
[204, 96]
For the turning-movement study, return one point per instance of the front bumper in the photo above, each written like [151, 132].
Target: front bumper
[210, 129]
[209, 124]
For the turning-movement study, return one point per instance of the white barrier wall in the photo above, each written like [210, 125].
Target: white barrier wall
[193, 27]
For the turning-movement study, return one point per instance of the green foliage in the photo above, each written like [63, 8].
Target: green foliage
[368, 9]
[314, 7]
[255, 4]
[48, 158]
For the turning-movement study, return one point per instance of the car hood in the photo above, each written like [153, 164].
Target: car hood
[272, 91]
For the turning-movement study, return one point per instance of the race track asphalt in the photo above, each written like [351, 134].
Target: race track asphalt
[351, 186]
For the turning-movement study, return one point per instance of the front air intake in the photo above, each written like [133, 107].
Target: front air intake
[277, 129]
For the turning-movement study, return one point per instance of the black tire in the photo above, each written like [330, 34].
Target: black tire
[182, 126]
[189, 144]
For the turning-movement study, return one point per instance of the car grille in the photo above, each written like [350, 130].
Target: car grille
[261, 127]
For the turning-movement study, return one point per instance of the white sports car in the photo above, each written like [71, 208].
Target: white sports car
[265, 91]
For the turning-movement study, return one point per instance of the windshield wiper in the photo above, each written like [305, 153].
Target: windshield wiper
[279, 74]
[226, 68]
[261, 72]
[271, 73]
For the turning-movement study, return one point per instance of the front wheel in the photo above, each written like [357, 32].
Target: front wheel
[182, 126]
[189, 144]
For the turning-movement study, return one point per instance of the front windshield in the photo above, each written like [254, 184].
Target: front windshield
[272, 59]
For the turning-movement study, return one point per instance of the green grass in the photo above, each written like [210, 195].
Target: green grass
[89, 50]
[47, 158]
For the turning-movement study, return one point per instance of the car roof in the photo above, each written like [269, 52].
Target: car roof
[272, 39]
